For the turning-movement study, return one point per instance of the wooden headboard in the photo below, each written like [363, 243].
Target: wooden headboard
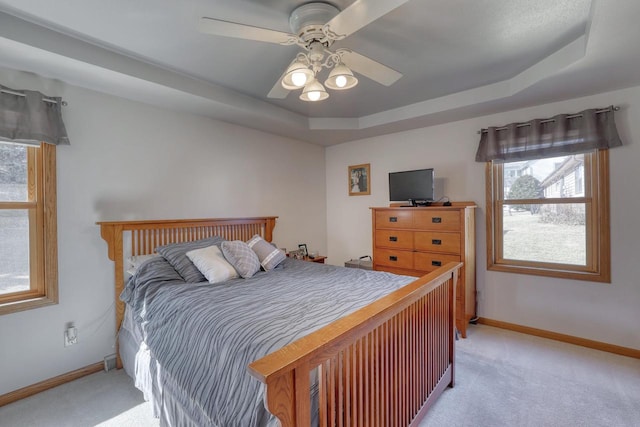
[145, 236]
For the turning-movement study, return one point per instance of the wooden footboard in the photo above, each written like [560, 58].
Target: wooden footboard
[383, 365]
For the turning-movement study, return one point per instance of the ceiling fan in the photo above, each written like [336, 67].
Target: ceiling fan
[314, 28]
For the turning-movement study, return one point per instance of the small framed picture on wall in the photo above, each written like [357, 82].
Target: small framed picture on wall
[359, 180]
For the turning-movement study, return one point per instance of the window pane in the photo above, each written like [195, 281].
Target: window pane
[14, 250]
[13, 172]
[553, 233]
[557, 177]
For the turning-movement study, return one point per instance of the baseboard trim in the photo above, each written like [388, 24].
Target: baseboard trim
[597, 345]
[36, 388]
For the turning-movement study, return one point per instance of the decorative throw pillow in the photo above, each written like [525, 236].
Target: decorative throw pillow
[243, 259]
[212, 264]
[176, 255]
[268, 255]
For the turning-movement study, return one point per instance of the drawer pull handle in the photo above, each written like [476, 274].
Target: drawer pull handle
[393, 258]
[436, 241]
[393, 219]
[436, 220]
[393, 238]
[436, 263]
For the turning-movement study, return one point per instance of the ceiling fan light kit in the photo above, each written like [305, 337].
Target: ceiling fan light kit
[303, 72]
[307, 66]
[315, 26]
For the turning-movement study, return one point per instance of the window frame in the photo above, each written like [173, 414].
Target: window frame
[598, 244]
[43, 246]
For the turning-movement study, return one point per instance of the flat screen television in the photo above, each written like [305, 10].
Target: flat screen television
[416, 187]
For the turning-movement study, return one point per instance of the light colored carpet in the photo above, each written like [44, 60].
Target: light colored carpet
[502, 379]
[105, 399]
[505, 378]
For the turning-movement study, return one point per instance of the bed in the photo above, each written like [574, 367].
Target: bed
[350, 348]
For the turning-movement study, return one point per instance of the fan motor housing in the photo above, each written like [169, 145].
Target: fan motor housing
[307, 20]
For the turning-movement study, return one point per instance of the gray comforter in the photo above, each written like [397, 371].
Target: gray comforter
[201, 337]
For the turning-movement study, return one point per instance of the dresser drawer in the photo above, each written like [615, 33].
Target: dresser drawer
[427, 261]
[393, 258]
[437, 242]
[437, 220]
[394, 239]
[401, 218]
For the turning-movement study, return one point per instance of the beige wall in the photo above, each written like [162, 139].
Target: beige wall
[602, 312]
[133, 161]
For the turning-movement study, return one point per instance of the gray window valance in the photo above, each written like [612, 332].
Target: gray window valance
[561, 135]
[29, 117]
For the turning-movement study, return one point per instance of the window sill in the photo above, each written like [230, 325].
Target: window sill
[27, 304]
[560, 274]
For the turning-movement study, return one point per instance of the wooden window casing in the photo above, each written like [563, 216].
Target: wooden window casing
[596, 202]
[43, 246]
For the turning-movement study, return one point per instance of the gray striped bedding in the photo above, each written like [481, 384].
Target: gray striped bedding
[201, 337]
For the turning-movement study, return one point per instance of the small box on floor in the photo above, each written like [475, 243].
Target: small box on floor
[362, 262]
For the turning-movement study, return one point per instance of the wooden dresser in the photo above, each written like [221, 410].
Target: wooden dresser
[416, 240]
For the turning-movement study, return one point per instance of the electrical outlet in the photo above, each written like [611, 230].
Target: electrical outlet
[110, 362]
[70, 336]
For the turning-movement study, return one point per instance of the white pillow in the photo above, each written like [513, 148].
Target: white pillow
[212, 264]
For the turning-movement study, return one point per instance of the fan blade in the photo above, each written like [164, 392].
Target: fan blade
[241, 31]
[359, 14]
[369, 68]
[277, 91]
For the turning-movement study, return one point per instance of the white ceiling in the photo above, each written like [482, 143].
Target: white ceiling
[459, 58]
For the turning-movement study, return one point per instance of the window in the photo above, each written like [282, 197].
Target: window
[553, 220]
[28, 248]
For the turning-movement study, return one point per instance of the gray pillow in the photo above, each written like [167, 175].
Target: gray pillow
[243, 259]
[176, 255]
[268, 255]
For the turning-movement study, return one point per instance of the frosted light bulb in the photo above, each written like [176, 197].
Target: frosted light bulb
[341, 81]
[299, 79]
[314, 95]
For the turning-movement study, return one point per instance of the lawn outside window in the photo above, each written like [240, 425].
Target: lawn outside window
[550, 216]
[28, 242]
